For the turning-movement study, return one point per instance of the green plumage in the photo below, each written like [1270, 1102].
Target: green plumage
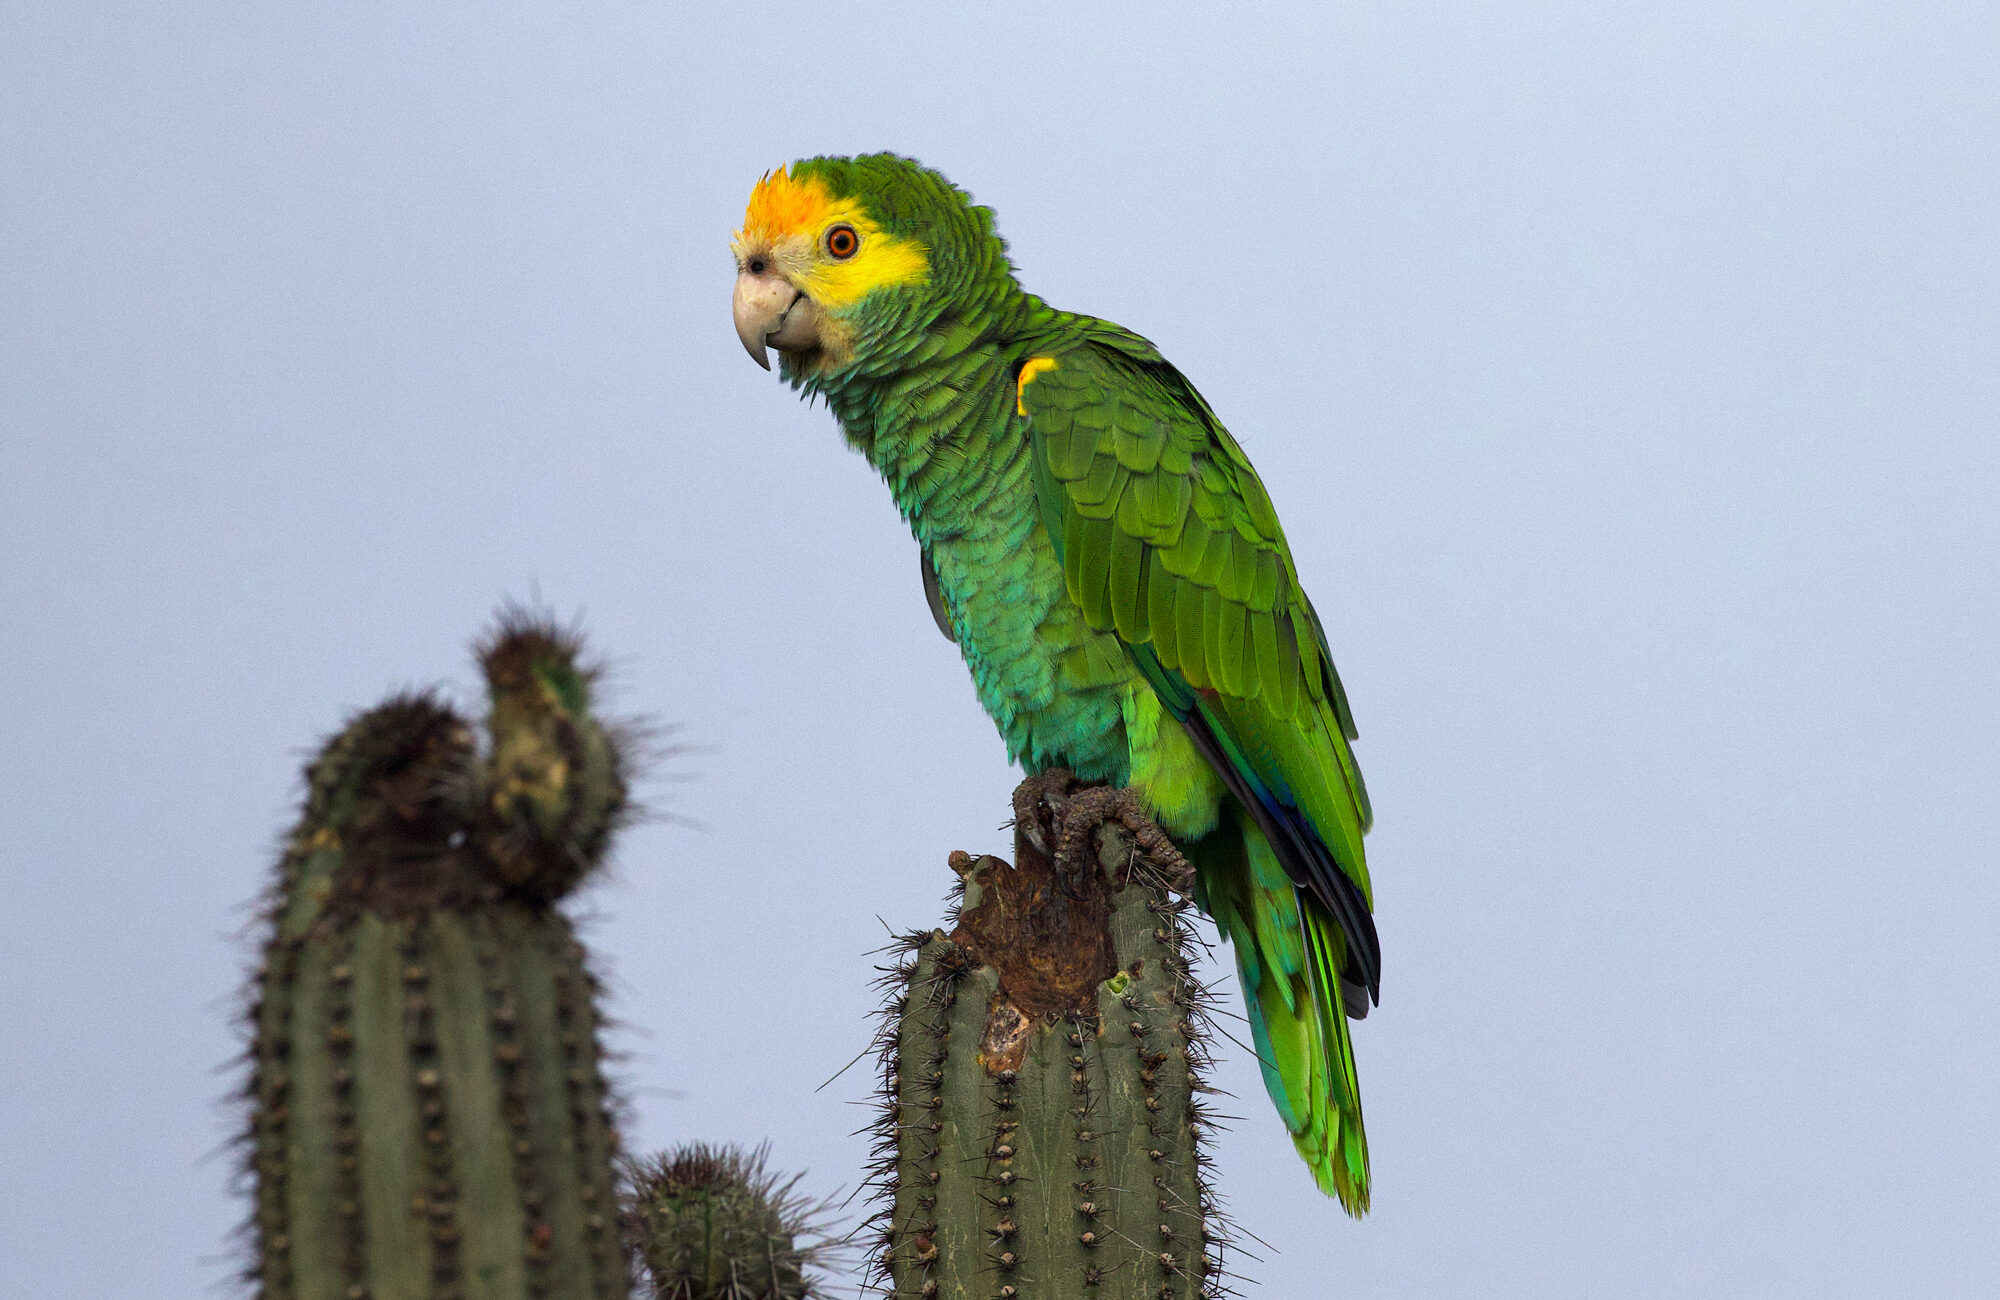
[1116, 577]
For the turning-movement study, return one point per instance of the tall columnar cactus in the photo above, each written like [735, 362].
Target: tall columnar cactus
[429, 1116]
[1041, 1130]
[711, 1224]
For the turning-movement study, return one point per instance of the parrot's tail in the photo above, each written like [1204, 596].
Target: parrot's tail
[1288, 954]
[1340, 1161]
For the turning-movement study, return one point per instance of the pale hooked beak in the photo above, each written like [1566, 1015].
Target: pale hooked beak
[770, 311]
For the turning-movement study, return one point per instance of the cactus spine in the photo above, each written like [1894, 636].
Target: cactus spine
[711, 1224]
[429, 1116]
[1040, 1136]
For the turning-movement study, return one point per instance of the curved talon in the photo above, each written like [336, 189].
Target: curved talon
[1039, 802]
[1027, 821]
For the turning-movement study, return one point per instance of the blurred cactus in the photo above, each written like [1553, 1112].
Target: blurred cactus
[711, 1224]
[1040, 1133]
[429, 1116]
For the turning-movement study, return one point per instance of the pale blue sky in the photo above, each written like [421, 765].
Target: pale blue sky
[1627, 379]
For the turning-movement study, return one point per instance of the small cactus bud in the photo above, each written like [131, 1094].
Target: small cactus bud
[712, 1224]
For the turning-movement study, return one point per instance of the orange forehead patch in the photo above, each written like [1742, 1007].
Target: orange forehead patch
[781, 206]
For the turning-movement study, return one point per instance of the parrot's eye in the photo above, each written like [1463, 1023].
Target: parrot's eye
[842, 242]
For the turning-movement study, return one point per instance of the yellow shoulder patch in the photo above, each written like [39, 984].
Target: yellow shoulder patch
[1035, 366]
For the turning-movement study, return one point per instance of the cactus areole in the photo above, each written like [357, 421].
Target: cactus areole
[429, 1119]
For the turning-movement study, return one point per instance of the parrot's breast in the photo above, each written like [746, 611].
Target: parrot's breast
[951, 445]
[1056, 690]
[956, 458]
[1061, 694]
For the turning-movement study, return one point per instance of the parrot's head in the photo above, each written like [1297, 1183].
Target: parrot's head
[853, 264]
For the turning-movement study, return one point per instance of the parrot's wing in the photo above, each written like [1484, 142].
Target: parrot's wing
[934, 597]
[1168, 539]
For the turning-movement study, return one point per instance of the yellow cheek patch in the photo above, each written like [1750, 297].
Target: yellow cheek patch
[796, 214]
[1034, 367]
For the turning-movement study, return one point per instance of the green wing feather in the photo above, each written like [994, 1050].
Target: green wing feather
[1169, 540]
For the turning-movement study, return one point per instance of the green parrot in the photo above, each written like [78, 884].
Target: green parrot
[1109, 564]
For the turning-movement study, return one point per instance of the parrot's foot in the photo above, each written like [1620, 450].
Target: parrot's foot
[1097, 805]
[1049, 806]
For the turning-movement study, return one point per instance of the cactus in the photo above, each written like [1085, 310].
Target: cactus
[428, 1113]
[711, 1224]
[1040, 1134]
[429, 1116]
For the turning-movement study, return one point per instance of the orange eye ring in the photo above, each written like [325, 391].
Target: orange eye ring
[842, 241]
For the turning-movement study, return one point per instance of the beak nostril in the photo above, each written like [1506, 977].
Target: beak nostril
[756, 266]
